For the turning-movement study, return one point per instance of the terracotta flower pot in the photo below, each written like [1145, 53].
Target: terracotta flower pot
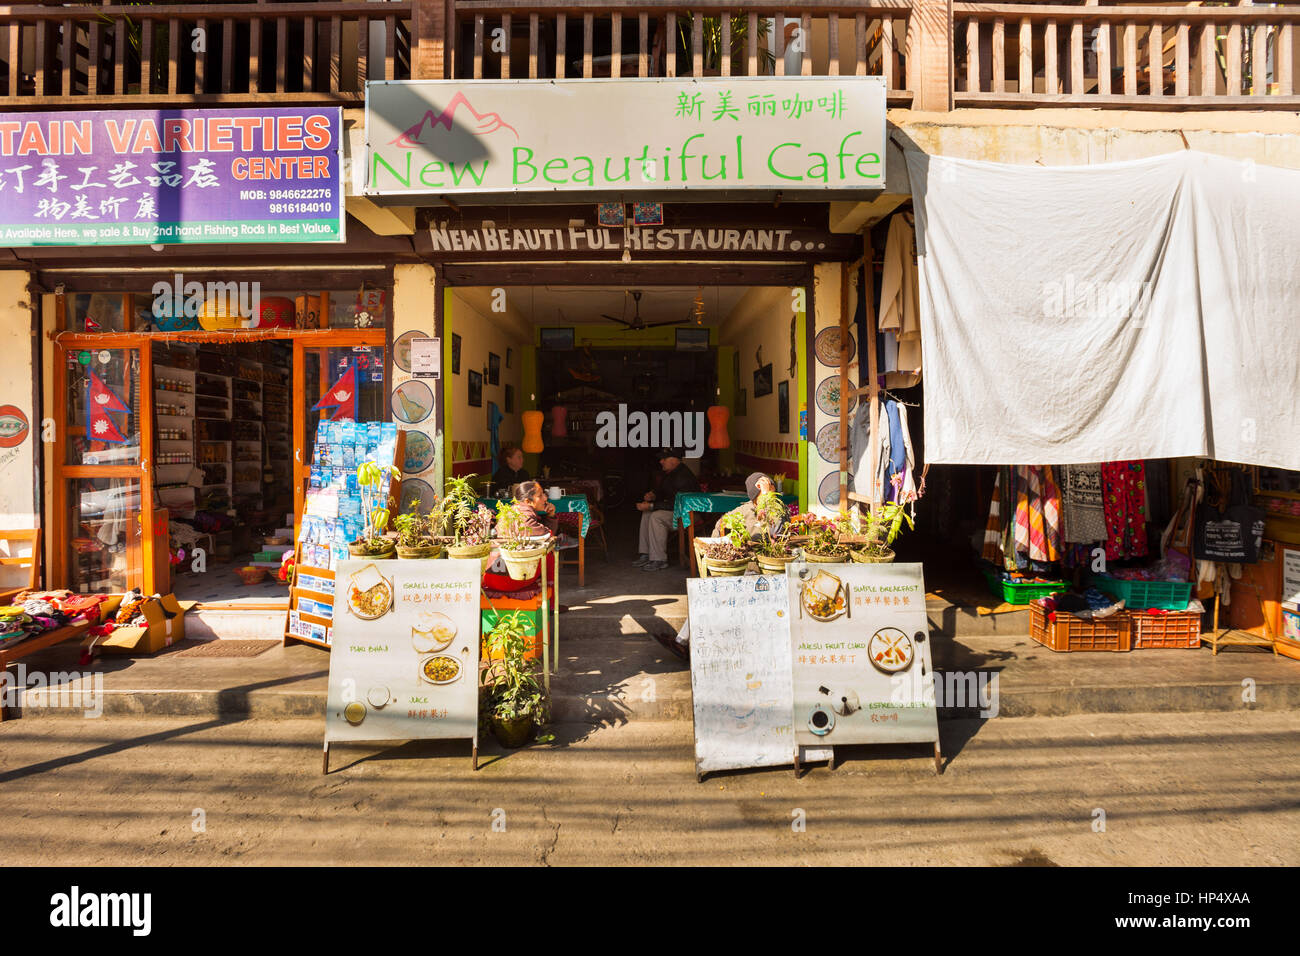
[865, 557]
[772, 565]
[481, 551]
[422, 551]
[511, 733]
[522, 564]
[361, 549]
[813, 557]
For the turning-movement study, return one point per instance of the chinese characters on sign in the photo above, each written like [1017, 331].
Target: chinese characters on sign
[171, 176]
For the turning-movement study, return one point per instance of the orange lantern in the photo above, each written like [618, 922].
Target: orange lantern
[532, 431]
[718, 437]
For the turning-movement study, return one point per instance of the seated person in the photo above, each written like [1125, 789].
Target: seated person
[510, 470]
[535, 507]
[657, 510]
[755, 523]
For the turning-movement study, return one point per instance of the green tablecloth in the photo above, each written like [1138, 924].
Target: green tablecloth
[711, 502]
[574, 504]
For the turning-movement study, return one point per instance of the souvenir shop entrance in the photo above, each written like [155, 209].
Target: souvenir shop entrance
[180, 457]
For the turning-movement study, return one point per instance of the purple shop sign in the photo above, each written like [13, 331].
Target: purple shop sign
[143, 177]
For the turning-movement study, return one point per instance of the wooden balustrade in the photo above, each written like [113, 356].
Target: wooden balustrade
[1145, 57]
[584, 39]
[932, 55]
[228, 52]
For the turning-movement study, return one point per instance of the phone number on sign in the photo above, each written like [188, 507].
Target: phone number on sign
[301, 207]
[299, 193]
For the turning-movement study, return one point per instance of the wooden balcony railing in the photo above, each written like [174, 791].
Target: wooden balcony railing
[230, 52]
[932, 54]
[576, 38]
[1145, 57]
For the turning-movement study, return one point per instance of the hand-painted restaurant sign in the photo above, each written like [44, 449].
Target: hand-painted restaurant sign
[793, 134]
[127, 177]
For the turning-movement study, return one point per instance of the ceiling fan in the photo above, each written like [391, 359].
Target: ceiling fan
[636, 324]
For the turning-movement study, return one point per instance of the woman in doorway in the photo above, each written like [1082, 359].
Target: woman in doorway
[510, 469]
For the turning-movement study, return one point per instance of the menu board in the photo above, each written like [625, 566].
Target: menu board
[861, 655]
[1290, 576]
[740, 672]
[404, 661]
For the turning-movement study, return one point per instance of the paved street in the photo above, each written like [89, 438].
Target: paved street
[1175, 789]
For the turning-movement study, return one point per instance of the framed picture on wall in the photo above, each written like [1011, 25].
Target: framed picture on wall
[475, 389]
[692, 340]
[510, 357]
[557, 339]
[783, 408]
[741, 402]
[455, 354]
[510, 399]
[494, 369]
[763, 381]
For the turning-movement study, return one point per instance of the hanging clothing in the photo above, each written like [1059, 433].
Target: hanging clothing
[864, 470]
[495, 418]
[992, 551]
[1124, 491]
[1084, 514]
[1023, 529]
[896, 455]
[899, 296]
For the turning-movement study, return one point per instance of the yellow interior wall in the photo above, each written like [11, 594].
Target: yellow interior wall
[17, 464]
[482, 331]
[762, 318]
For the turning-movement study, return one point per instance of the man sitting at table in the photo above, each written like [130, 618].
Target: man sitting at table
[657, 510]
[755, 523]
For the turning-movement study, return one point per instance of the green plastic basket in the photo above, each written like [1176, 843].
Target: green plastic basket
[1020, 592]
[1141, 595]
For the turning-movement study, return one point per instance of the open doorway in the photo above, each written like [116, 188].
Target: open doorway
[619, 374]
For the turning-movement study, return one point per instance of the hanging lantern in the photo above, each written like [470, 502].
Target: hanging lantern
[275, 312]
[558, 416]
[718, 437]
[532, 432]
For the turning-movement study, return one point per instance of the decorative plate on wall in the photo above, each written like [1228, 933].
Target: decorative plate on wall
[419, 452]
[828, 395]
[412, 402]
[827, 347]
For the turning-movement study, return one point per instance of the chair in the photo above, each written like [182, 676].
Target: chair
[13, 560]
[598, 525]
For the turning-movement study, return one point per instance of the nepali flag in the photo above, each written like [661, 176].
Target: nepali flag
[343, 395]
[100, 400]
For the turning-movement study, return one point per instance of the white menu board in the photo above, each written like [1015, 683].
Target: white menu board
[861, 655]
[404, 661]
[740, 672]
[1290, 576]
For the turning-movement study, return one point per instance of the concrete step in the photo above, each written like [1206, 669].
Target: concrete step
[215, 623]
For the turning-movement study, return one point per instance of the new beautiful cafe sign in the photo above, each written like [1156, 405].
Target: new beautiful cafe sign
[793, 134]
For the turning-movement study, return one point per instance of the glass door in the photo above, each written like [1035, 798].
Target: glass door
[102, 457]
[348, 371]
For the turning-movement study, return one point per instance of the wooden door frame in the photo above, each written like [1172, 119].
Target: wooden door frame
[69, 342]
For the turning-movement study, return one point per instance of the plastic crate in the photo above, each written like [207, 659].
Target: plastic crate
[1018, 592]
[1175, 629]
[1138, 595]
[1070, 633]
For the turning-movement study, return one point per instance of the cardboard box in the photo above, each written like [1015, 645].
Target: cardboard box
[161, 631]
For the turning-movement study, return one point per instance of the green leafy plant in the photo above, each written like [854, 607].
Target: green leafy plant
[775, 541]
[512, 528]
[374, 507]
[463, 518]
[416, 530]
[511, 689]
[711, 28]
[733, 525]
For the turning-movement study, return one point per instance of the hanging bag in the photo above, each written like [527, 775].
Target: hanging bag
[1233, 534]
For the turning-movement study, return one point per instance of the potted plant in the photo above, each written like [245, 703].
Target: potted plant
[415, 533]
[773, 550]
[520, 548]
[466, 522]
[729, 557]
[884, 524]
[823, 545]
[374, 509]
[514, 702]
